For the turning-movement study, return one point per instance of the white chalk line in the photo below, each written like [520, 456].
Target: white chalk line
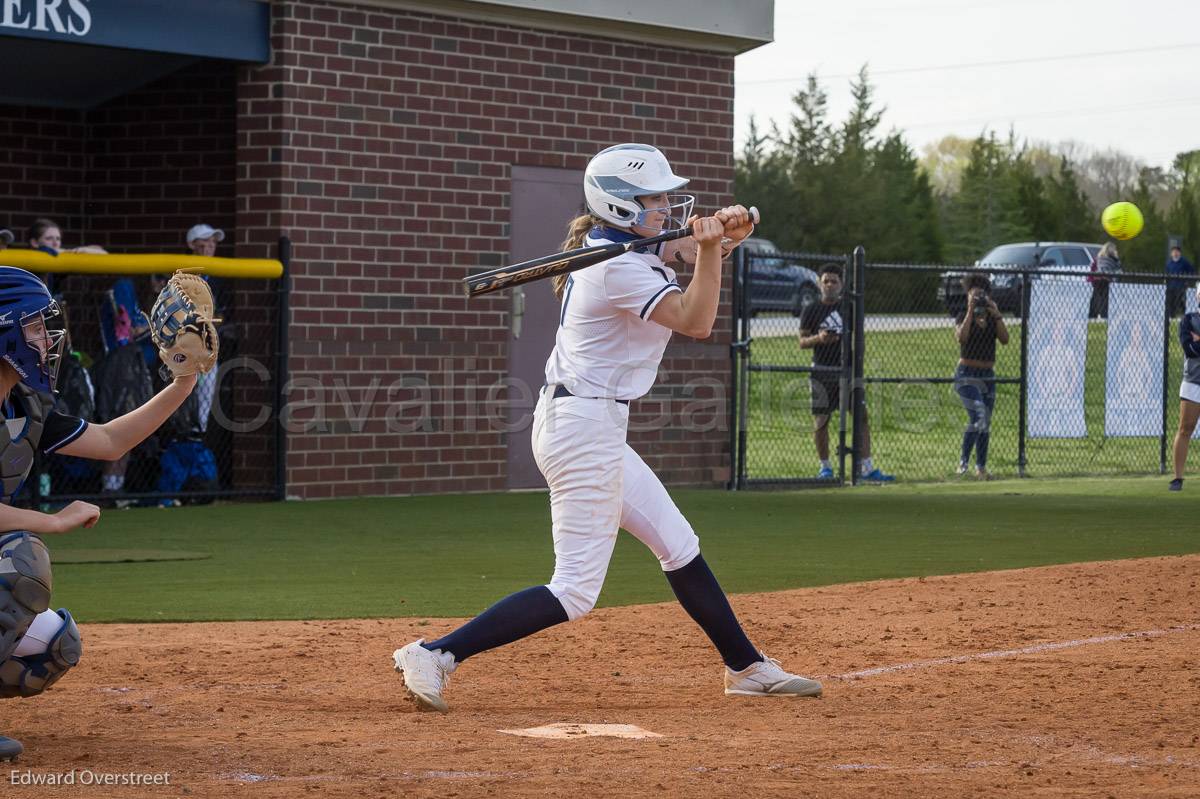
[1007, 653]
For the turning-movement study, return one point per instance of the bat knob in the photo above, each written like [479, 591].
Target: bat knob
[754, 217]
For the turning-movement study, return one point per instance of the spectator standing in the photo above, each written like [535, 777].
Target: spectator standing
[1108, 264]
[123, 375]
[6, 238]
[1177, 287]
[213, 389]
[821, 330]
[977, 330]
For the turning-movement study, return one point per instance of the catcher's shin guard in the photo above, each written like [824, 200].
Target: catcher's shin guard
[25, 583]
[47, 652]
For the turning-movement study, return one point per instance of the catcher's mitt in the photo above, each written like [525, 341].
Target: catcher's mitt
[183, 327]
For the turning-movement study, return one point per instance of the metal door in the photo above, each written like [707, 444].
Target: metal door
[544, 200]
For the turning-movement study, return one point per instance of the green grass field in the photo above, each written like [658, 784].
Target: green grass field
[917, 429]
[454, 555]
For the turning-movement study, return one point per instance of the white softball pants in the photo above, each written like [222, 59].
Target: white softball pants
[597, 485]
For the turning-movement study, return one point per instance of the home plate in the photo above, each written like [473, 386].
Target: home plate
[562, 731]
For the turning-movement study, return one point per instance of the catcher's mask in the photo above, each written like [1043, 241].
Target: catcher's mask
[32, 329]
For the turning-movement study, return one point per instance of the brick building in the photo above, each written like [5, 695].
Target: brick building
[400, 146]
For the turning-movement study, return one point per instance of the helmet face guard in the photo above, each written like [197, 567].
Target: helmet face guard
[677, 211]
[45, 333]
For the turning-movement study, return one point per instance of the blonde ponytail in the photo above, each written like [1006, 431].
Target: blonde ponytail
[576, 231]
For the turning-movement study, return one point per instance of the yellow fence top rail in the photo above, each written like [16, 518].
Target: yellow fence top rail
[119, 264]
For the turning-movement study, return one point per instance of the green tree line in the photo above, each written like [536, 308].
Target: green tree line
[831, 186]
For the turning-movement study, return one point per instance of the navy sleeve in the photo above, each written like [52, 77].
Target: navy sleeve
[1190, 348]
[60, 430]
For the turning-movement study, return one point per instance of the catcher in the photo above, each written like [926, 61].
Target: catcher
[38, 645]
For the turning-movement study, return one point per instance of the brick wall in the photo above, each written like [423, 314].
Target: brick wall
[42, 164]
[132, 175]
[382, 142]
[161, 159]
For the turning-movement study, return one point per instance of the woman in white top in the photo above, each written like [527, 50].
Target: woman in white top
[616, 320]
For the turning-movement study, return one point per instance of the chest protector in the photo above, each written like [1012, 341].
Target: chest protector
[19, 440]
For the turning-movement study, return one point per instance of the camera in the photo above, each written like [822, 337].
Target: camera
[981, 306]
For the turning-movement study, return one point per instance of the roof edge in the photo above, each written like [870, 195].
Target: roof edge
[563, 21]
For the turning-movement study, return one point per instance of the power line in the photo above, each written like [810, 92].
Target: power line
[1174, 103]
[980, 64]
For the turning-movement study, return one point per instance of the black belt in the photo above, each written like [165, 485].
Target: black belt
[561, 391]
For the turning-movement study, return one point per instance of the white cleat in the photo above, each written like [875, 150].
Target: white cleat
[426, 674]
[766, 678]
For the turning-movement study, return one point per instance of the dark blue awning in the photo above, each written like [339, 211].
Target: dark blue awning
[238, 30]
[80, 53]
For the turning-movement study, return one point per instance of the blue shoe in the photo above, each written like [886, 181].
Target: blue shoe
[10, 749]
[876, 476]
[826, 473]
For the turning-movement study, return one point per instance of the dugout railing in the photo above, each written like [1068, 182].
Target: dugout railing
[1070, 399]
[225, 443]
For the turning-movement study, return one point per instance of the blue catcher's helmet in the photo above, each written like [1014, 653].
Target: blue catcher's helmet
[27, 341]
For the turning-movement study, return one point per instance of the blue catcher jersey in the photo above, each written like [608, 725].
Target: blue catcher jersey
[30, 425]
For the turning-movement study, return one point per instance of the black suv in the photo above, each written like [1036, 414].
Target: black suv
[1051, 256]
[775, 284]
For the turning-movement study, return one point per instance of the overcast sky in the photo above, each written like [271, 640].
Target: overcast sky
[1106, 73]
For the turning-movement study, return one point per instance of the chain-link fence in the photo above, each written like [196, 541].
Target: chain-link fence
[1045, 371]
[785, 400]
[222, 443]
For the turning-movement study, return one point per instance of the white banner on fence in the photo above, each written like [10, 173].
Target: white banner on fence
[1058, 321]
[1133, 372]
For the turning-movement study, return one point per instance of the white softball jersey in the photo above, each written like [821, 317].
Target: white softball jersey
[606, 349]
[606, 344]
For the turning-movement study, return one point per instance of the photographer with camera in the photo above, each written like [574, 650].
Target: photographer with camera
[977, 329]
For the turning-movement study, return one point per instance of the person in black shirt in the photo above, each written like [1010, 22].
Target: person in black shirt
[977, 330]
[821, 329]
[1182, 271]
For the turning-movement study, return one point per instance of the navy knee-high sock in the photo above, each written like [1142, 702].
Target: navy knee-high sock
[701, 596]
[511, 619]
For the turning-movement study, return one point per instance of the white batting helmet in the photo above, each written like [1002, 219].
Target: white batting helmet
[618, 175]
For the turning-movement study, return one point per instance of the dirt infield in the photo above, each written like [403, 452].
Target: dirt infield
[1017, 682]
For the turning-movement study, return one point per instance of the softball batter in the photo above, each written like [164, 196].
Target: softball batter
[615, 322]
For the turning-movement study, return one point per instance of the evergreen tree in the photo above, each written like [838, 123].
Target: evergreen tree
[1036, 213]
[987, 209]
[905, 225]
[761, 178]
[1074, 218]
[1183, 218]
[1146, 252]
[806, 157]
[858, 201]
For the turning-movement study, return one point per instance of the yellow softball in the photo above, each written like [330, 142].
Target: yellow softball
[1122, 220]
